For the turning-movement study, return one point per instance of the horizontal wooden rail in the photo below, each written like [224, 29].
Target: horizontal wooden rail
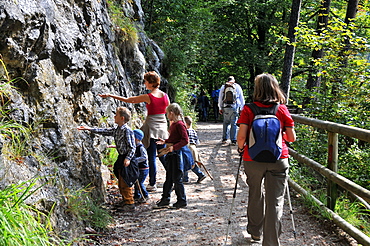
[347, 227]
[349, 131]
[333, 176]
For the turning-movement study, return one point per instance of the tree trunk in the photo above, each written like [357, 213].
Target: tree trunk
[314, 81]
[290, 49]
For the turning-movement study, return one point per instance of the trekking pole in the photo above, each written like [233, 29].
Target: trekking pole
[291, 210]
[234, 195]
[200, 164]
[139, 187]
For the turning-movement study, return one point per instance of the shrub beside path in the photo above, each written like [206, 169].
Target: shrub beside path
[205, 220]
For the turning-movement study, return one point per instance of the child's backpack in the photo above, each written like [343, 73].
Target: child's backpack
[265, 137]
[229, 94]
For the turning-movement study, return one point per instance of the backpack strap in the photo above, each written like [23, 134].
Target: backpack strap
[265, 111]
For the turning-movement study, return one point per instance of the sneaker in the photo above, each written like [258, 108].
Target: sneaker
[161, 204]
[151, 187]
[233, 143]
[127, 208]
[224, 141]
[178, 205]
[200, 179]
[142, 200]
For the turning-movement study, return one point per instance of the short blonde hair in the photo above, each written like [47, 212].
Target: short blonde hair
[124, 112]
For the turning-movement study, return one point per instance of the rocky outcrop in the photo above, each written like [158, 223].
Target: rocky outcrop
[67, 52]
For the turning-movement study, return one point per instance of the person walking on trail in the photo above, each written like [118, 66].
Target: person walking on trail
[155, 125]
[125, 170]
[193, 141]
[230, 102]
[265, 210]
[203, 106]
[178, 159]
[215, 94]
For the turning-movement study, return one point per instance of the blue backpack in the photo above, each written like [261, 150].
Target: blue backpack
[265, 137]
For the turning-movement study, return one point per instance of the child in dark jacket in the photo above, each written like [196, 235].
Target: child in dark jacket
[141, 156]
[178, 158]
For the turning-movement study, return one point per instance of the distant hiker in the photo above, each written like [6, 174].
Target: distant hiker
[141, 194]
[193, 141]
[230, 102]
[178, 159]
[215, 94]
[265, 209]
[203, 106]
[155, 125]
[125, 170]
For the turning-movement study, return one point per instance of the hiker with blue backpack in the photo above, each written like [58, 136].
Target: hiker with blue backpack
[264, 128]
[230, 102]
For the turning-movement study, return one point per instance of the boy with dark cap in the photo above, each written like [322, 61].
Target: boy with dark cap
[141, 194]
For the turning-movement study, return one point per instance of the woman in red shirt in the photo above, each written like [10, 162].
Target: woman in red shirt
[155, 125]
[265, 206]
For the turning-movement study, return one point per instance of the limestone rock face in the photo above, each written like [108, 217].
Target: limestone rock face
[67, 52]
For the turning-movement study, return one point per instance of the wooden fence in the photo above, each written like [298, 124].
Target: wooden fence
[330, 172]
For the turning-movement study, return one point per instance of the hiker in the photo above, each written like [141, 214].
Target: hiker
[155, 125]
[230, 102]
[265, 210]
[178, 159]
[193, 141]
[203, 106]
[215, 94]
[141, 195]
[124, 169]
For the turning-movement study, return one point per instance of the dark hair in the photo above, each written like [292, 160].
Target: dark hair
[267, 90]
[188, 120]
[124, 112]
[152, 78]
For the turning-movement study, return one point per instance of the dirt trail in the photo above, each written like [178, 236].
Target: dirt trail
[205, 220]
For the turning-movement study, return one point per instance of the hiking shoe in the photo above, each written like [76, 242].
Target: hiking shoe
[151, 187]
[142, 200]
[161, 204]
[178, 205]
[254, 237]
[200, 179]
[127, 208]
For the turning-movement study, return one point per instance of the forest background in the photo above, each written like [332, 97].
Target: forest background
[318, 50]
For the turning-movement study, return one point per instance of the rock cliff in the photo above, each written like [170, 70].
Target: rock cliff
[67, 52]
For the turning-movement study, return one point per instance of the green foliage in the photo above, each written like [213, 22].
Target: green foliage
[183, 96]
[123, 25]
[80, 204]
[354, 213]
[21, 224]
[110, 156]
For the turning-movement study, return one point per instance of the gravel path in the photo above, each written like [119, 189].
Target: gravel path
[205, 220]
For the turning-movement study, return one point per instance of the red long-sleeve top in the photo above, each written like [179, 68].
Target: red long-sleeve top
[178, 135]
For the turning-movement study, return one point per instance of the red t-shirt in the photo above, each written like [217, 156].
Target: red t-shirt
[157, 105]
[246, 117]
[178, 135]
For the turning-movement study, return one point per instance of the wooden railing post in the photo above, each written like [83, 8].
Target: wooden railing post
[332, 165]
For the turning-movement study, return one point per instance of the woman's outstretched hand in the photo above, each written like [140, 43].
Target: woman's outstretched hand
[104, 95]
